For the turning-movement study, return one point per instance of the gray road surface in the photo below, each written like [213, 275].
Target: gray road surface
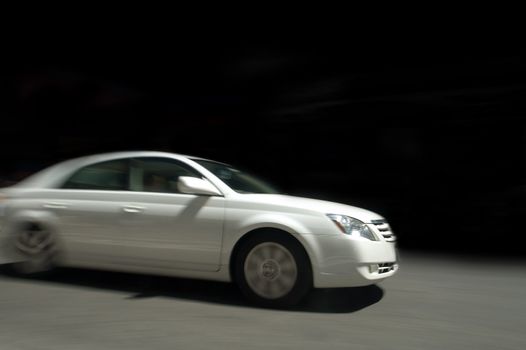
[434, 302]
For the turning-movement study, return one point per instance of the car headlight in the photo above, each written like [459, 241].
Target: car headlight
[352, 226]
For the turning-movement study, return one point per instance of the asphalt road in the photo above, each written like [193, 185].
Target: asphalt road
[434, 302]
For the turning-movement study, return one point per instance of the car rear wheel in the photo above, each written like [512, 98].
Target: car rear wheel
[36, 246]
[273, 270]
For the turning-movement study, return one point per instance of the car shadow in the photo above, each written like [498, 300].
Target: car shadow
[139, 286]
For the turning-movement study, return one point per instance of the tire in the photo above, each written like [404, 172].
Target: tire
[273, 270]
[36, 245]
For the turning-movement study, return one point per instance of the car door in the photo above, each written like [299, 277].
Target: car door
[89, 207]
[165, 229]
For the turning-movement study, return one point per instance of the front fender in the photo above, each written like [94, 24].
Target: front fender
[298, 225]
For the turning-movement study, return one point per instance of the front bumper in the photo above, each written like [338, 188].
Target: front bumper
[344, 261]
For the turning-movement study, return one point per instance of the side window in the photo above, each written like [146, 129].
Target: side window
[158, 174]
[111, 176]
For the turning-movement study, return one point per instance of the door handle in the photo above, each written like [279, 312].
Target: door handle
[55, 205]
[132, 209]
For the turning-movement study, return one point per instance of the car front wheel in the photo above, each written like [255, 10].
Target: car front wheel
[273, 270]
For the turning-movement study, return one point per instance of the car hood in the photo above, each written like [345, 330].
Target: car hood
[325, 207]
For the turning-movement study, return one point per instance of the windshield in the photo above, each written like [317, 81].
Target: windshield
[236, 179]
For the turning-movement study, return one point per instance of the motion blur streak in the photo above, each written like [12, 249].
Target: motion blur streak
[436, 302]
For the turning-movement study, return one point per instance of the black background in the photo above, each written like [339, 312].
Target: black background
[432, 136]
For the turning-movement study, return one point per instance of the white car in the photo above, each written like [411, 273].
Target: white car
[177, 215]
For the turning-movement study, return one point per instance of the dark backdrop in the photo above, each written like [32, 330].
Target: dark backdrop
[434, 138]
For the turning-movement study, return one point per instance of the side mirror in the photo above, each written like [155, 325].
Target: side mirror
[194, 185]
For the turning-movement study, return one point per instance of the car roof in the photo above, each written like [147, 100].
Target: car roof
[138, 153]
[50, 174]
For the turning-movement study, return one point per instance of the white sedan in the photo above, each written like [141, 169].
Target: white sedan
[171, 214]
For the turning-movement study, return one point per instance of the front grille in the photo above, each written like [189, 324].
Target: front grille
[385, 230]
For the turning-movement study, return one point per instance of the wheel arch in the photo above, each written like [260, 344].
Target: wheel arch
[43, 219]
